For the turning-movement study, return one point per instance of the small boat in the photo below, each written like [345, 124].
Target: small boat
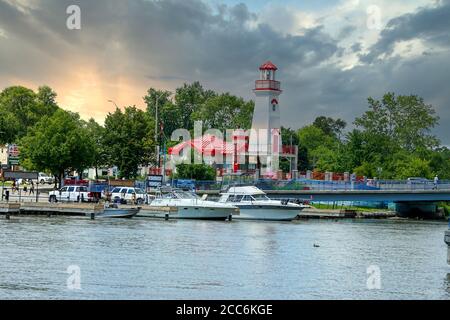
[254, 204]
[189, 206]
[113, 211]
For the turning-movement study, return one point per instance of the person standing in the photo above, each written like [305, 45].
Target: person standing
[436, 182]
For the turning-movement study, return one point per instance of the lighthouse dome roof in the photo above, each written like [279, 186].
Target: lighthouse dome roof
[268, 66]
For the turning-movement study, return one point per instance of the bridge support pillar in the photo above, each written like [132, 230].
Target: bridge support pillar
[447, 241]
[428, 210]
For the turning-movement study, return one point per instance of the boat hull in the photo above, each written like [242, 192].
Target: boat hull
[188, 212]
[204, 213]
[117, 213]
[267, 213]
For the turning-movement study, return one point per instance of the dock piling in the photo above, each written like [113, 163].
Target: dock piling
[447, 241]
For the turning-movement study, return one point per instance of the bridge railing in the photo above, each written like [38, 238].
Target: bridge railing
[303, 184]
[389, 185]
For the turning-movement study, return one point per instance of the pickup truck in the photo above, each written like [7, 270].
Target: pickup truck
[70, 194]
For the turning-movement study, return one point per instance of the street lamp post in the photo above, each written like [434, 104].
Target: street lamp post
[156, 129]
[111, 101]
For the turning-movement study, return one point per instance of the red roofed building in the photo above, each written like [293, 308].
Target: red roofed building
[216, 151]
[248, 151]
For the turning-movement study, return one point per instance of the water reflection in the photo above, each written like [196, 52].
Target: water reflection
[152, 259]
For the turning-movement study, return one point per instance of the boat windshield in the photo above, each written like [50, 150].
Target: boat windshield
[185, 195]
[260, 197]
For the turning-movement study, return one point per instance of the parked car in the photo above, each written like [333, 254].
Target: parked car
[70, 194]
[44, 178]
[128, 194]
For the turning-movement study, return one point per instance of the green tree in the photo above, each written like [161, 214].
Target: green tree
[366, 169]
[8, 127]
[169, 115]
[411, 166]
[195, 171]
[224, 112]
[290, 137]
[312, 137]
[46, 99]
[26, 107]
[57, 144]
[440, 162]
[330, 126]
[96, 133]
[188, 99]
[129, 140]
[403, 120]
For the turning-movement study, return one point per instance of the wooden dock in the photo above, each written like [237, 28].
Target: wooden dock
[312, 213]
[9, 207]
[48, 209]
[79, 210]
[163, 212]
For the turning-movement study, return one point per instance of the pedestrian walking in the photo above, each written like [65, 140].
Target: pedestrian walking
[436, 182]
[14, 185]
[32, 188]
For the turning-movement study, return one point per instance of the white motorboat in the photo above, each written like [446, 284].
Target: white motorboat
[189, 206]
[115, 212]
[254, 204]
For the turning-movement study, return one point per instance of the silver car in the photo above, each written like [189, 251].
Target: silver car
[44, 178]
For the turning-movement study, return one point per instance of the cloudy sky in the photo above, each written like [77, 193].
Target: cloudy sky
[332, 54]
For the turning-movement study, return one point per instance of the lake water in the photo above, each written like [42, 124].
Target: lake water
[152, 259]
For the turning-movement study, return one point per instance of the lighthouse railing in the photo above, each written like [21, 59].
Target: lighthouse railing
[267, 84]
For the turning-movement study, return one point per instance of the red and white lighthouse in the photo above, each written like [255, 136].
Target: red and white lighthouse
[265, 136]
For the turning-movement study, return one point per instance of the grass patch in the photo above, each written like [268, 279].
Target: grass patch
[347, 207]
[446, 207]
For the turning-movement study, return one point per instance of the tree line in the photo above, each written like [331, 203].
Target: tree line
[57, 141]
[392, 139]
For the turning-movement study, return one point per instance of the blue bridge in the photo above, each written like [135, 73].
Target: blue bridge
[409, 198]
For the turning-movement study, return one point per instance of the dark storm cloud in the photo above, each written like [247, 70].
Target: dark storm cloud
[172, 42]
[356, 47]
[187, 35]
[431, 25]
[333, 92]
[347, 31]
